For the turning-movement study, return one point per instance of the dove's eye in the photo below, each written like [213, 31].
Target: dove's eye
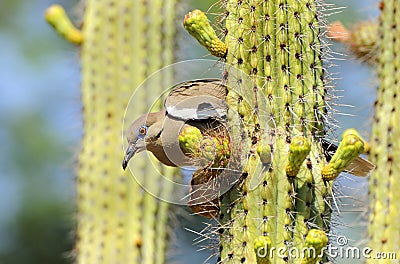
[142, 131]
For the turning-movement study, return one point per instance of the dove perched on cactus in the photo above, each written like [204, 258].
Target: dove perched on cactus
[190, 131]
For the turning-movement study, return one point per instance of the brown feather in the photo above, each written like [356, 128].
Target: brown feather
[360, 167]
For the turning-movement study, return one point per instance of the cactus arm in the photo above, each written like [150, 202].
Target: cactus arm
[55, 15]
[269, 65]
[384, 226]
[302, 184]
[113, 211]
[98, 85]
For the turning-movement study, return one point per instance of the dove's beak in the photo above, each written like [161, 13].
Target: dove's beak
[132, 150]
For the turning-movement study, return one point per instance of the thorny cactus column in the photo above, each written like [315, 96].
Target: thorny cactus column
[277, 43]
[123, 42]
[384, 228]
[379, 45]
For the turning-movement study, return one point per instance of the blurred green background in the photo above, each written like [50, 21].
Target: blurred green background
[41, 127]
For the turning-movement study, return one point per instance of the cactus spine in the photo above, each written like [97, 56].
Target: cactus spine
[277, 44]
[124, 41]
[384, 226]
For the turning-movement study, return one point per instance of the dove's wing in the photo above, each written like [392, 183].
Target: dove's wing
[360, 167]
[197, 100]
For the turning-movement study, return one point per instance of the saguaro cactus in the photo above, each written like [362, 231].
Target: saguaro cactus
[384, 227]
[280, 205]
[122, 43]
[277, 44]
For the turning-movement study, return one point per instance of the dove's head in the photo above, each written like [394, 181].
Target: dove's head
[143, 132]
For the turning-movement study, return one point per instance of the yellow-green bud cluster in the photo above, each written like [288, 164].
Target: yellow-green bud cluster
[349, 148]
[298, 150]
[262, 246]
[223, 151]
[197, 24]
[211, 150]
[316, 240]
[189, 140]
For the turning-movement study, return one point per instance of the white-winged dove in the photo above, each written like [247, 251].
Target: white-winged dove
[198, 103]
